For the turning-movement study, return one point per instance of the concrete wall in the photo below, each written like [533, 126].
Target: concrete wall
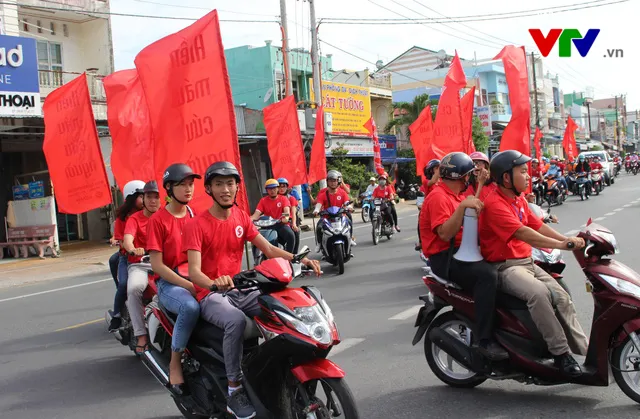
[251, 75]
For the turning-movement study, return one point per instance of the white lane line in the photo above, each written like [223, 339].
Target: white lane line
[583, 225]
[344, 345]
[618, 209]
[407, 314]
[599, 218]
[627, 205]
[571, 232]
[55, 290]
[609, 214]
[311, 236]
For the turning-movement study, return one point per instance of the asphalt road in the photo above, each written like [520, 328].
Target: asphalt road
[58, 361]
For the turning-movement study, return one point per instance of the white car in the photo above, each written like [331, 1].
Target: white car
[607, 164]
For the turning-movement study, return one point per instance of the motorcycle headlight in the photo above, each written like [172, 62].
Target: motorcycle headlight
[309, 321]
[623, 287]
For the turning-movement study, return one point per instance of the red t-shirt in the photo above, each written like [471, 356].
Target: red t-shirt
[436, 210]
[335, 200]
[484, 192]
[164, 234]
[384, 193]
[118, 229]
[426, 189]
[273, 207]
[137, 227]
[294, 205]
[501, 218]
[595, 166]
[220, 242]
[537, 172]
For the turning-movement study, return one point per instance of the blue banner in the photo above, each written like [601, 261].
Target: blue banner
[388, 146]
[19, 83]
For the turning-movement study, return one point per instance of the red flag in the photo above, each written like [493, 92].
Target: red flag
[128, 118]
[318, 161]
[421, 138]
[72, 149]
[517, 134]
[448, 135]
[285, 141]
[377, 160]
[186, 84]
[569, 140]
[466, 104]
[536, 143]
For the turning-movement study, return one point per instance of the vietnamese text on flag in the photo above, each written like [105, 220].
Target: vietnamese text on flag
[421, 138]
[318, 160]
[285, 142]
[72, 149]
[186, 84]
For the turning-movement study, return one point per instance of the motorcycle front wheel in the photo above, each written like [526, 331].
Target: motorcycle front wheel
[625, 365]
[331, 396]
[365, 214]
[374, 232]
[339, 258]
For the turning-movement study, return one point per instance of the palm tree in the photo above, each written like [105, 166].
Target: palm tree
[409, 112]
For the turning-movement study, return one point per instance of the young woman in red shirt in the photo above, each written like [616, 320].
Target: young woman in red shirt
[132, 193]
[214, 242]
[135, 242]
[277, 207]
[481, 162]
[386, 191]
[294, 223]
[164, 243]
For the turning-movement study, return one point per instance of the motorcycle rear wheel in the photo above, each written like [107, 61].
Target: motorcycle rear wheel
[582, 194]
[624, 371]
[598, 189]
[445, 373]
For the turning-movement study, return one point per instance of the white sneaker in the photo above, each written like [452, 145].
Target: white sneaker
[353, 243]
[318, 248]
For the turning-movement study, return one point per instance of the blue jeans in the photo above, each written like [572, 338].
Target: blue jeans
[563, 181]
[180, 302]
[121, 291]
[113, 266]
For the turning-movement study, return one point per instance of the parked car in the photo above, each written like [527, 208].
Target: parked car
[607, 164]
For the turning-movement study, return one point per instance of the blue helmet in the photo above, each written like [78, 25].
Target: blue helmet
[581, 157]
[283, 180]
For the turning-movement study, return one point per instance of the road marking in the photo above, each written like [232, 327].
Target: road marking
[618, 209]
[599, 218]
[627, 205]
[410, 238]
[571, 232]
[609, 214]
[368, 225]
[407, 314]
[583, 225]
[55, 290]
[75, 326]
[344, 345]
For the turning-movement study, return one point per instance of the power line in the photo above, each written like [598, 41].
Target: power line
[201, 8]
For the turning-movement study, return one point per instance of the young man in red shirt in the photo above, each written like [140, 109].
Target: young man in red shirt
[214, 243]
[508, 229]
[277, 207]
[331, 196]
[135, 243]
[386, 191]
[441, 220]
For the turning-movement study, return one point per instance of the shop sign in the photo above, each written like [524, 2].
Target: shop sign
[19, 85]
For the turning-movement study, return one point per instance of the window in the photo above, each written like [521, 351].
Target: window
[50, 64]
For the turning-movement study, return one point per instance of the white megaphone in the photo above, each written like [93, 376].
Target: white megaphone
[469, 251]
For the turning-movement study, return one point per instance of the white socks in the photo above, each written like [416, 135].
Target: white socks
[232, 389]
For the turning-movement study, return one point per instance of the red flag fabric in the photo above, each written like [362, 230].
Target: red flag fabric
[72, 149]
[128, 119]
[466, 104]
[421, 138]
[284, 141]
[536, 143]
[569, 139]
[186, 84]
[318, 160]
[517, 134]
[448, 135]
[377, 159]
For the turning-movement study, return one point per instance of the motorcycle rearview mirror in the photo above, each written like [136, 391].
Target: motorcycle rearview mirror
[303, 253]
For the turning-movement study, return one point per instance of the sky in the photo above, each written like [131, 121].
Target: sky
[365, 44]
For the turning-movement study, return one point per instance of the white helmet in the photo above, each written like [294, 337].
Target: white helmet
[133, 187]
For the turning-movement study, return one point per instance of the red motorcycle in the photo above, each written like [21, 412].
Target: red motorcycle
[614, 341]
[286, 374]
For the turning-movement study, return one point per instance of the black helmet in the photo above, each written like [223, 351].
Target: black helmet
[430, 168]
[178, 172]
[221, 168]
[504, 162]
[456, 165]
[151, 186]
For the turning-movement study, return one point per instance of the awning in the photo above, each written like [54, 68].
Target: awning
[399, 160]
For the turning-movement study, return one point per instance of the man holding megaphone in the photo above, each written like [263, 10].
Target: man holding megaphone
[441, 220]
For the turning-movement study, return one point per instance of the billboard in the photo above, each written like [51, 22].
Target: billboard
[19, 86]
[484, 114]
[356, 147]
[350, 107]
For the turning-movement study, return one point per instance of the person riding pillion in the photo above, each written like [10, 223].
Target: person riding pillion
[277, 207]
[508, 230]
[214, 242]
[294, 222]
[441, 221]
[385, 191]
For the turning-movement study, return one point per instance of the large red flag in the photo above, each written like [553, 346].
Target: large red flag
[72, 149]
[128, 118]
[517, 134]
[377, 159]
[466, 104]
[569, 140]
[421, 138]
[448, 135]
[536, 143]
[318, 160]
[284, 141]
[186, 84]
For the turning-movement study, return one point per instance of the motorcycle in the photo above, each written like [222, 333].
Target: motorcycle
[266, 226]
[537, 188]
[285, 374]
[635, 167]
[411, 192]
[617, 166]
[597, 181]
[366, 207]
[381, 222]
[614, 342]
[336, 236]
[556, 194]
[580, 187]
[420, 199]
[627, 166]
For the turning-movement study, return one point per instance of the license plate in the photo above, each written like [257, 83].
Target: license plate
[588, 286]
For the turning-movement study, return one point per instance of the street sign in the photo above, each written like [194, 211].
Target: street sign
[19, 86]
[484, 113]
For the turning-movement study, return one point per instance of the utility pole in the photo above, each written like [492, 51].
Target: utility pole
[315, 59]
[285, 48]
[616, 132]
[535, 89]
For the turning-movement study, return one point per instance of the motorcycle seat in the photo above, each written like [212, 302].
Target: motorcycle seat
[443, 281]
[209, 335]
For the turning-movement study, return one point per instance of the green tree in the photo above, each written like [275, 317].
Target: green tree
[407, 172]
[409, 112]
[354, 174]
[480, 139]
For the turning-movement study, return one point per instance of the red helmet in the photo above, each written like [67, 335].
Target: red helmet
[477, 155]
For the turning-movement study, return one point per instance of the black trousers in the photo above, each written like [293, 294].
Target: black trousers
[477, 278]
[286, 237]
[388, 210]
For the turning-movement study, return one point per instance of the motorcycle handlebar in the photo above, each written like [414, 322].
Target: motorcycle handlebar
[571, 245]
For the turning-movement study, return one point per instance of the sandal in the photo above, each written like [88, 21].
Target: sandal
[143, 348]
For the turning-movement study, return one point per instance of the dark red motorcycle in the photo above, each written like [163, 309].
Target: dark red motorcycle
[614, 341]
[286, 373]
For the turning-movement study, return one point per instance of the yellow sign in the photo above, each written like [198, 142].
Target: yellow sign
[350, 107]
